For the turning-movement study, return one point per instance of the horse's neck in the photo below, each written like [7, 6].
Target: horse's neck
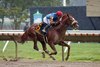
[61, 29]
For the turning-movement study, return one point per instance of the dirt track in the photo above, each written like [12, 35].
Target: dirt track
[93, 7]
[31, 63]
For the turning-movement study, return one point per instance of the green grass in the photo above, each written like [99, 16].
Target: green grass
[79, 52]
[85, 52]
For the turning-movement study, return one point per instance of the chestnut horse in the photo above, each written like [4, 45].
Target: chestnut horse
[55, 35]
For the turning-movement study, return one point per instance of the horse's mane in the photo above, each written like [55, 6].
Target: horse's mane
[65, 15]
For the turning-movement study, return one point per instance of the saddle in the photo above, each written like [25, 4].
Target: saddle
[41, 26]
[39, 29]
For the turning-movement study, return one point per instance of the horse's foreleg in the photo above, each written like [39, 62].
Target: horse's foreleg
[65, 44]
[53, 48]
[68, 53]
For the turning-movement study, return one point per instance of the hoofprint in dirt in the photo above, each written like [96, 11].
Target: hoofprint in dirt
[31, 63]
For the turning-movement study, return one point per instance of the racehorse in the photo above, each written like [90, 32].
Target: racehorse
[55, 35]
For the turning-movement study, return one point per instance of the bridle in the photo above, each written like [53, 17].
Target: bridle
[70, 18]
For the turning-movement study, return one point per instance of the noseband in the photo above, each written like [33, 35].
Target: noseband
[71, 20]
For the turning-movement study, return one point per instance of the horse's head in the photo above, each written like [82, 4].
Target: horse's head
[70, 21]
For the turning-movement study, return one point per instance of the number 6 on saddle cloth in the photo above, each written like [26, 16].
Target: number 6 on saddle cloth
[42, 28]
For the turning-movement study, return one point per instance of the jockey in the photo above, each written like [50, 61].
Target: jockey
[50, 19]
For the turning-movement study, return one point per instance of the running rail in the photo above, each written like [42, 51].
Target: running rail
[83, 36]
[75, 36]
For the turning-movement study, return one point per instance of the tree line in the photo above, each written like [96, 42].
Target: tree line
[18, 9]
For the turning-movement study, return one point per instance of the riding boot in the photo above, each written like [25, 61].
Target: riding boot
[46, 28]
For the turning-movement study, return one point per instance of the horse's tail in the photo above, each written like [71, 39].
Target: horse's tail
[29, 33]
[24, 37]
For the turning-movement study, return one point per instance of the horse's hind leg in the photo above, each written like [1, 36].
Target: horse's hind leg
[44, 47]
[34, 38]
[35, 45]
[65, 44]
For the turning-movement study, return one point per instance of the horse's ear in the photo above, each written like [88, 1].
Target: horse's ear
[68, 15]
[64, 16]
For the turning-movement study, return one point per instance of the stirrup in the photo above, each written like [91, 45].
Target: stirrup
[43, 30]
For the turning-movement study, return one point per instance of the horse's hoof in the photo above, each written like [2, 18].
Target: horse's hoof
[66, 58]
[47, 51]
[36, 49]
[53, 58]
[5, 59]
[14, 59]
[43, 54]
[50, 53]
